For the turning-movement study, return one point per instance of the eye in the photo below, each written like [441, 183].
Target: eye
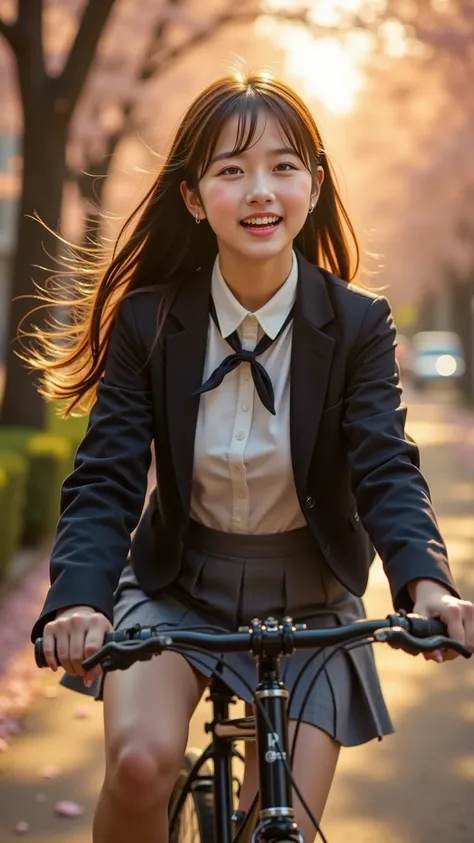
[227, 171]
[285, 164]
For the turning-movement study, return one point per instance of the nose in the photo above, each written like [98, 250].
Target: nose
[260, 191]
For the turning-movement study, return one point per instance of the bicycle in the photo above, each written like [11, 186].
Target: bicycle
[208, 791]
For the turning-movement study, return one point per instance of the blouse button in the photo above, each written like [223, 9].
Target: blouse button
[245, 408]
[240, 435]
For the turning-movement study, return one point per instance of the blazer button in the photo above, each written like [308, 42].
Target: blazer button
[326, 550]
[309, 502]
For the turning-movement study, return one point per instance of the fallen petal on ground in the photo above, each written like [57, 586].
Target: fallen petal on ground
[50, 771]
[50, 692]
[81, 713]
[68, 809]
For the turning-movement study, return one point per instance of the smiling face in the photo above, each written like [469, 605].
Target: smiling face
[256, 200]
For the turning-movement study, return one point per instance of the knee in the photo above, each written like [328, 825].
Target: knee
[141, 773]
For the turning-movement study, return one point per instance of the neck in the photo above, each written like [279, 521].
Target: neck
[252, 282]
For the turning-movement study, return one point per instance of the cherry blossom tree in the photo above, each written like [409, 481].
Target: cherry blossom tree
[427, 105]
[84, 69]
[48, 102]
[68, 52]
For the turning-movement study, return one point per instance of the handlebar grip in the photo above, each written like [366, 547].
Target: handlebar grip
[40, 658]
[427, 627]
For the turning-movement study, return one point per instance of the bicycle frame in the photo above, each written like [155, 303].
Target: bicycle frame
[268, 641]
[276, 815]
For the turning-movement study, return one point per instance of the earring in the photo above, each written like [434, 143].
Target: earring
[197, 218]
[311, 208]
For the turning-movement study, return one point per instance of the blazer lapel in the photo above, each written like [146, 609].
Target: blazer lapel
[185, 352]
[311, 357]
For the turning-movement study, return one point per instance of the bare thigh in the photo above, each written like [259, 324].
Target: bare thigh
[314, 766]
[147, 710]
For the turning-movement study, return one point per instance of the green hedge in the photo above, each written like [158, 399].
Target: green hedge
[13, 478]
[33, 466]
[73, 428]
[49, 458]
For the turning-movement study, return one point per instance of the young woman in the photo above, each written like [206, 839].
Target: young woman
[225, 331]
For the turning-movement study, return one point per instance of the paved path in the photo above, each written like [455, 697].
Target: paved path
[414, 787]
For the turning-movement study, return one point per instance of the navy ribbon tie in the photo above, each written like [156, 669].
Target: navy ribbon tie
[260, 376]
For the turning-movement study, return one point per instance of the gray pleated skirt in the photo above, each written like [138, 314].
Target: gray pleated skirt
[226, 579]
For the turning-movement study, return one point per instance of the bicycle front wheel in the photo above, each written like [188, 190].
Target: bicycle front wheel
[191, 809]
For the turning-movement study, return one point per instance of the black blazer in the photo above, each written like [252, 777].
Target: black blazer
[356, 471]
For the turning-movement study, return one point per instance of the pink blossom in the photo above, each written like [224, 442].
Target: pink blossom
[68, 809]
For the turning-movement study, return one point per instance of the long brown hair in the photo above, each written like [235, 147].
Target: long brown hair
[160, 243]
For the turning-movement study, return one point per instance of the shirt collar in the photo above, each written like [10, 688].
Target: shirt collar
[270, 317]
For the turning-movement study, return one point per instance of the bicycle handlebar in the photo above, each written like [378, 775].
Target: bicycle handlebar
[412, 633]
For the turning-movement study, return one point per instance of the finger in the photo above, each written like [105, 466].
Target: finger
[434, 656]
[94, 641]
[49, 646]
[62, 644]
[468, 622]
[450, 655]
[76, 642]
[453, 617]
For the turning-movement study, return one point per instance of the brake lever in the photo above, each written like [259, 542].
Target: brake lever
[121, 655]
[400, 639]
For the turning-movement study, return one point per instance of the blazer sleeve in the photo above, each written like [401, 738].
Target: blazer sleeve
[102, 499]
[393, 498]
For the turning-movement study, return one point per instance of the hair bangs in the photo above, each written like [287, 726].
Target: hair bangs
[295, 131]
[248, 104]
[247, 110]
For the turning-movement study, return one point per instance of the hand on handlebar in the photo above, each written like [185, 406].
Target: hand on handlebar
[121, 649]
[433, 600]
[75, 634]
[400, 639]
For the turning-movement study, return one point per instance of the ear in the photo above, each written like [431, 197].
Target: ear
[192, 201]
[318, 181]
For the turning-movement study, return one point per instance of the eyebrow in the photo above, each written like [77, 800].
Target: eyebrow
[282, 150]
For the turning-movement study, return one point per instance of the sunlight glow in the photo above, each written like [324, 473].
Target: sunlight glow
[331, 66]
[328, 70]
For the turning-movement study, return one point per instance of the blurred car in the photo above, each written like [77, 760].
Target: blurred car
[436, 357]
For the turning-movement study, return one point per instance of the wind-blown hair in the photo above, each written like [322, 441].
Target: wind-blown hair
[160, 242]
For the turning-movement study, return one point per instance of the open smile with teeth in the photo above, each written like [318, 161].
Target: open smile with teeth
[261, 222]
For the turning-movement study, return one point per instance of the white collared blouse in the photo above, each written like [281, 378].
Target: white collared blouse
[242, 477]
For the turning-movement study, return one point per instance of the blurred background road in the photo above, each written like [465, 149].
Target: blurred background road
[413, 787]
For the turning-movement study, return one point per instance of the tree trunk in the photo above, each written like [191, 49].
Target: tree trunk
[462, 297]
[44, 154]
[426, 314]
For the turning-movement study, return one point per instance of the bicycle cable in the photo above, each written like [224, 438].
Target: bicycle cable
[269, 725]
[346, 646]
